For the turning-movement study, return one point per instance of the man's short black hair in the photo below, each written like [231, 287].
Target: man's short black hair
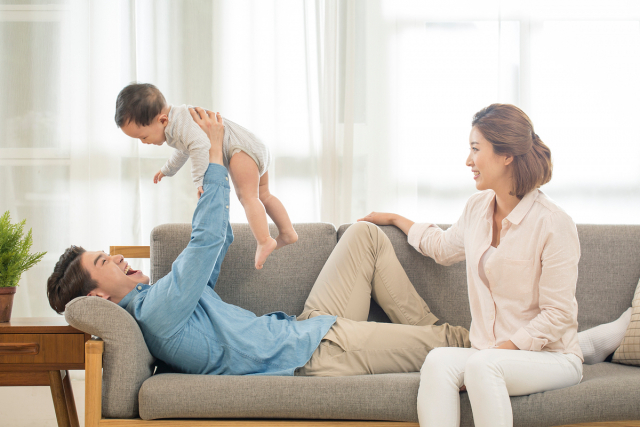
[69, 279]
[139, 103]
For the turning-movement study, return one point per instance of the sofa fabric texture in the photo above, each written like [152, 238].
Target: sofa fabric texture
[629, 351]
[608, 274]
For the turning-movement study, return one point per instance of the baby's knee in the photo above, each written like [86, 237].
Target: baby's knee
[264, 195]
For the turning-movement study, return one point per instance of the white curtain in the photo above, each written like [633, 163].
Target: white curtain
[366, 105]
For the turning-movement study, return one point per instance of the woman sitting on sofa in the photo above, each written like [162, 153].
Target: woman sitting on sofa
[522, 253]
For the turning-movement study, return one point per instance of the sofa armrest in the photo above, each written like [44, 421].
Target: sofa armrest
[93, 350]
[126, 360]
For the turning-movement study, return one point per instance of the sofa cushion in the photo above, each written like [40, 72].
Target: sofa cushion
[607, 392]
[126, 362]
[366, 397]
[284, 282]
[629, 351]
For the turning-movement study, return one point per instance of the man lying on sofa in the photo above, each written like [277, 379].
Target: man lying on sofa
[188, 326]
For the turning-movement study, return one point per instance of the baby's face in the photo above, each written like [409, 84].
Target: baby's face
[152, 134]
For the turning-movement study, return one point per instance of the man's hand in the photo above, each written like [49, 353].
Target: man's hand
[213, 125]
[200, 191]
[158, 177]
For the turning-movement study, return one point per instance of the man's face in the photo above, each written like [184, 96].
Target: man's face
[152, 134]
[112, 273]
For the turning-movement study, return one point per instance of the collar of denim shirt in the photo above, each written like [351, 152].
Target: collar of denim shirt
[124, 302]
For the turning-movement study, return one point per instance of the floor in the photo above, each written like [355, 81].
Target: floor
[33, 407]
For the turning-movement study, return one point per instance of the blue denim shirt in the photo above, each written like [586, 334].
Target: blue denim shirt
[188, 326]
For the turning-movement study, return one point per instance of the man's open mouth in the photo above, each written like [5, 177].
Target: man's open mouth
[129, 271]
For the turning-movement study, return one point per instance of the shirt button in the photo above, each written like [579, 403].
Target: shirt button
[487, 271]
[227, 178]
[139, 288]
[491, 316]
[491, 344]
[227, 206]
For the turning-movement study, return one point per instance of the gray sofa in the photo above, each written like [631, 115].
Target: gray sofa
[608, 275]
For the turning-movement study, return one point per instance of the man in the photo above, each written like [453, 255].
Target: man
[188, 326]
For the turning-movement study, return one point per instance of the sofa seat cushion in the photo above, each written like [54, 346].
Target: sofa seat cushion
[366, 397]
[608, 392]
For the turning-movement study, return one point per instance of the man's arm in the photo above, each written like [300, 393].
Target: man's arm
[171, 301]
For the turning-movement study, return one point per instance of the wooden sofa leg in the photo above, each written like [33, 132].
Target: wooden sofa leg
[93, 350]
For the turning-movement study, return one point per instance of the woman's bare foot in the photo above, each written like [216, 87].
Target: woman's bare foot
[263, 251]
[286, 238]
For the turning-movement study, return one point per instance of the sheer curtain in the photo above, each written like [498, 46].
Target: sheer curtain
[365, 104]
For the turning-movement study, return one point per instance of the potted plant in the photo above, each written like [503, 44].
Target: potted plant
[15, 259]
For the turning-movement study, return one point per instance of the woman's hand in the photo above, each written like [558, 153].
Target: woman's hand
[509, 345]
[379, 218]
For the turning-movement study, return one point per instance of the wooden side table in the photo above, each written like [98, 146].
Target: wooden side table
[40, 351]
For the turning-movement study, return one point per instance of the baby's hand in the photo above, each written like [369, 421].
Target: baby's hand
[200, 191]
[158, 177]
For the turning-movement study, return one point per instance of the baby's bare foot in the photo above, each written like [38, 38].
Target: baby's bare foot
[263, 251]
[286, 238]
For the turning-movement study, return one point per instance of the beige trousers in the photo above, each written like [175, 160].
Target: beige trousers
[362, 266]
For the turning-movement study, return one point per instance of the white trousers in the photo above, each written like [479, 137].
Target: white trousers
[491, 376]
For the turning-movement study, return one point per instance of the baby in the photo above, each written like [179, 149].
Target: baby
[143, 113]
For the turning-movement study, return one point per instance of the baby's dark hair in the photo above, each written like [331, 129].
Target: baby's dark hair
[69, 279]
[139, 103]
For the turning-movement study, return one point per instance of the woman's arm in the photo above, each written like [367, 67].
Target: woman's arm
[445, 247]
[381, 218]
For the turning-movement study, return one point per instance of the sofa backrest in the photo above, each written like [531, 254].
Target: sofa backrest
[608, 272]
[284, 282]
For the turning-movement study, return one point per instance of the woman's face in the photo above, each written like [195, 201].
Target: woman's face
[491, 171]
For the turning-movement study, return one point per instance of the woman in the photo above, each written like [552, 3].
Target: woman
[522, 255]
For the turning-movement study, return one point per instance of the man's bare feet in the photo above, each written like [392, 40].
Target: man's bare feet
[286, 238]
[263, 251]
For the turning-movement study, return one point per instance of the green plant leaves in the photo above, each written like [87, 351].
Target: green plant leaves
[15, 258]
